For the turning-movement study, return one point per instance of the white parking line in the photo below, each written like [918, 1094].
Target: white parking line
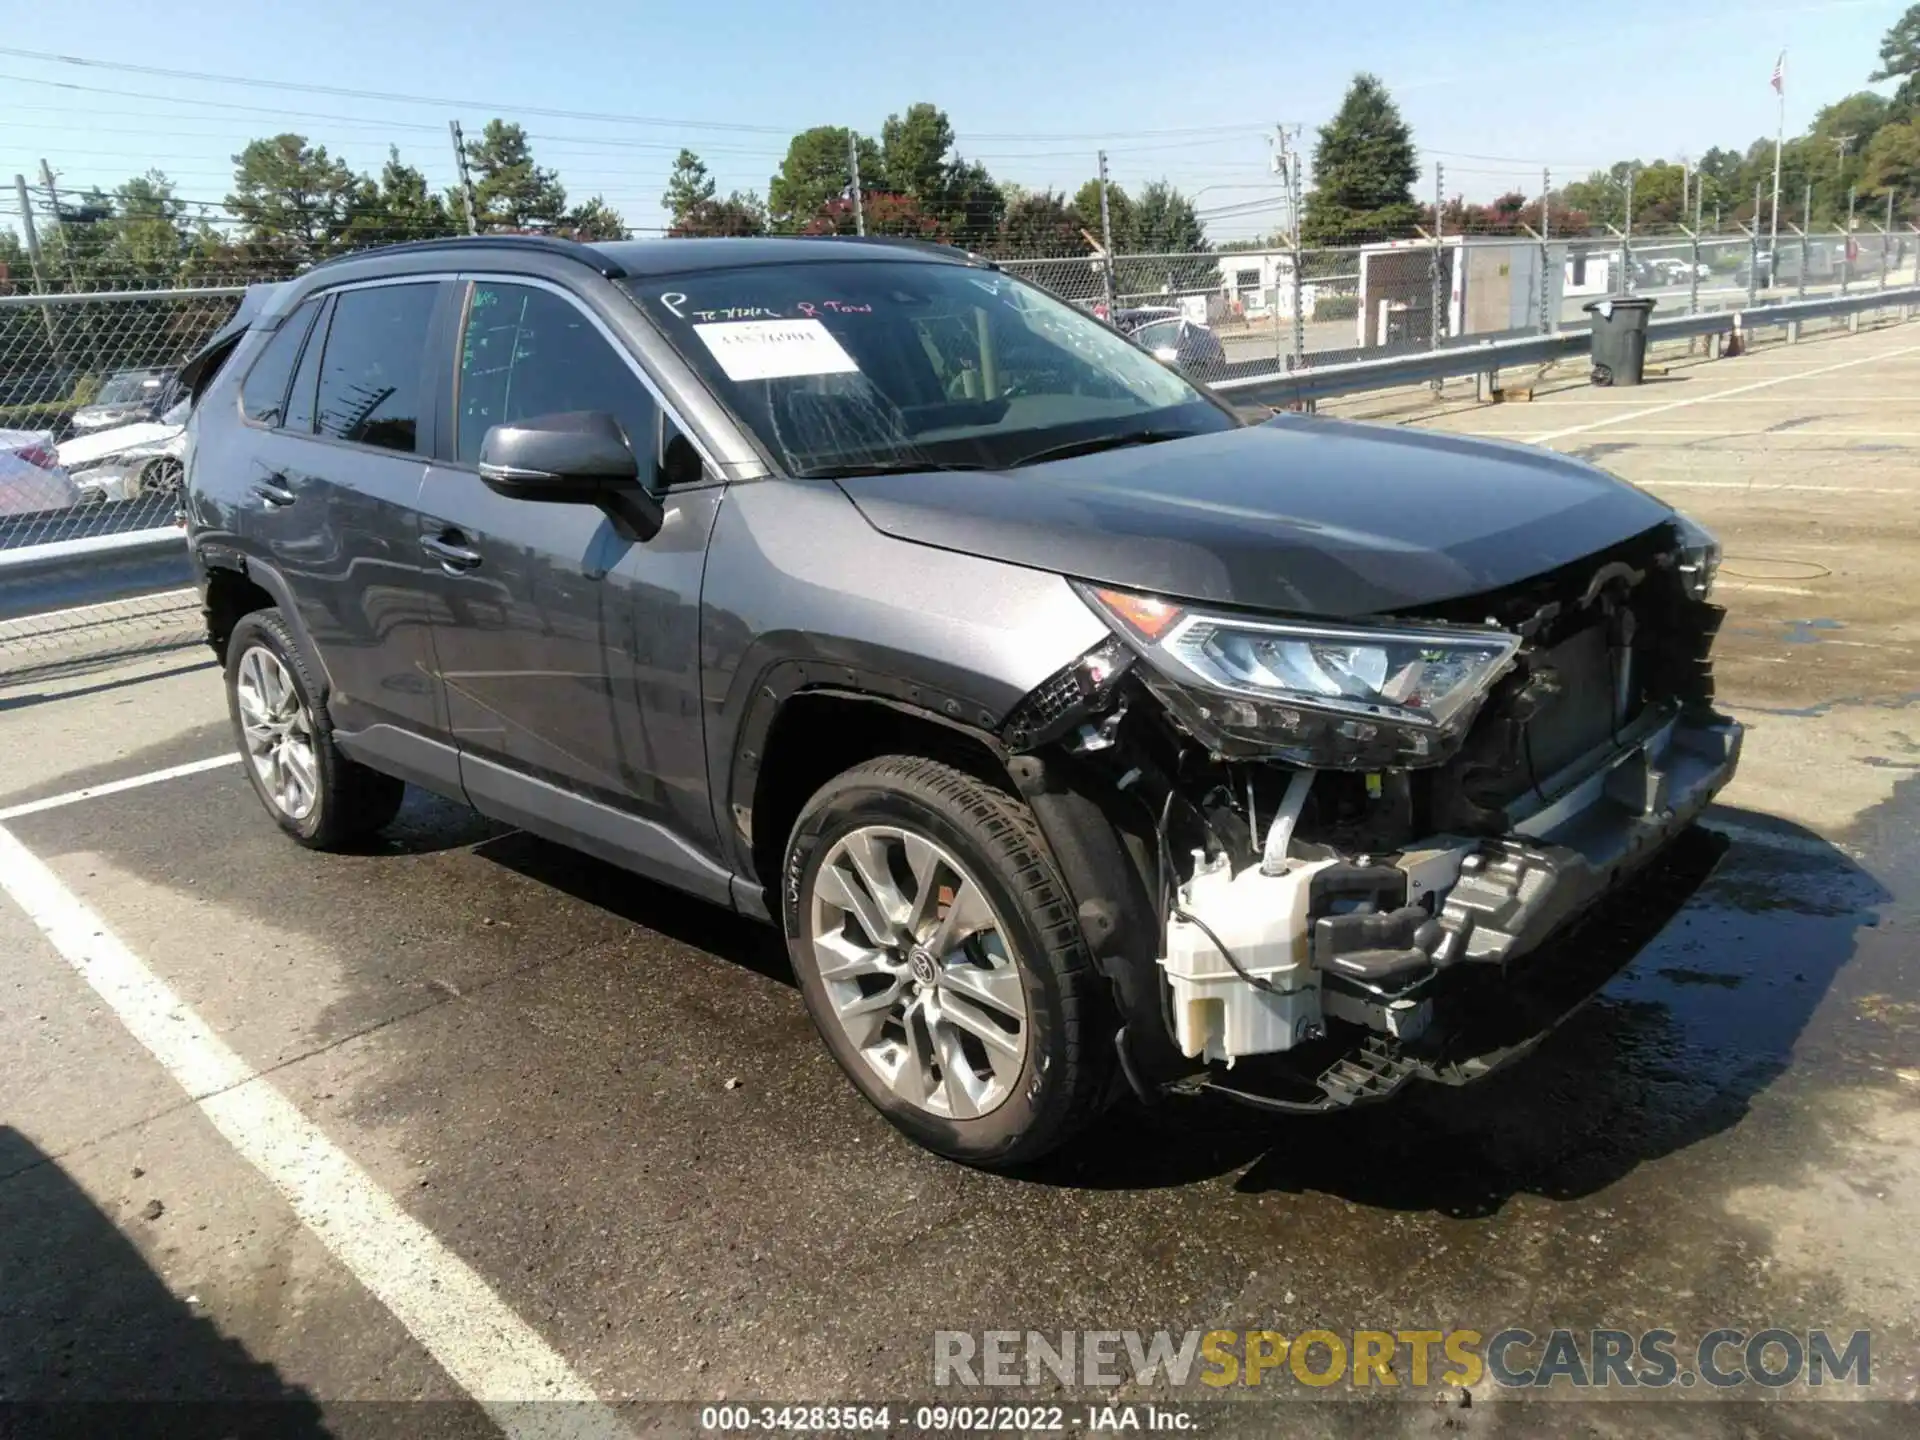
[1544, 437]
[490, 1352]
[114, 787]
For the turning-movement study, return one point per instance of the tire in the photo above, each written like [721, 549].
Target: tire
[961, 854]
[332, 800]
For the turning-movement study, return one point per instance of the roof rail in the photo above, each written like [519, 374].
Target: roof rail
[904, 242]
[543, 244]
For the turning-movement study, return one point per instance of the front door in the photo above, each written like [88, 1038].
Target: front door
[570, 657]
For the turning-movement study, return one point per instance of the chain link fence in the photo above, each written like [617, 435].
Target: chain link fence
[93, 445]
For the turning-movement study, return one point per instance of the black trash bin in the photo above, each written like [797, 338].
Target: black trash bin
[1619, 338]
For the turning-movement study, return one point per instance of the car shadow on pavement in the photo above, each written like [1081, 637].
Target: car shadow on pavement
[1714, 988]
[93, 1343]
[712, 928]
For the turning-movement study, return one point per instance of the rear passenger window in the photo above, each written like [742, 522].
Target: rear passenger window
[528, 352]
[263, 397]
[306, 378]
[370, 369]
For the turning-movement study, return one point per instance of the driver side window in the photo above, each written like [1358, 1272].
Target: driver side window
[528, 352]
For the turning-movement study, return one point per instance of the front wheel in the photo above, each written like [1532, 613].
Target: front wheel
[938, 953]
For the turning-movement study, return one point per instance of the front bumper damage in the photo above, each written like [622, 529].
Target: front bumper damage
[1477, 933]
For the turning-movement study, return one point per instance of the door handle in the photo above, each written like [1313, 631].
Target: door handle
[452, 557]
[273, 493]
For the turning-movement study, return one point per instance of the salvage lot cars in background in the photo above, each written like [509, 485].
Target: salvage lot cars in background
[145, 457]
[31, 477]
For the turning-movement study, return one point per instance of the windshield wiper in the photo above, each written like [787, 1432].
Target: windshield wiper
[884, 467]
[1098, 443]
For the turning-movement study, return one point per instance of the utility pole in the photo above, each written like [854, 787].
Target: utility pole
[1753, 247]
[33, 256]
[471, 209]
[859, 206]
[1106, 237]
[1686, 177]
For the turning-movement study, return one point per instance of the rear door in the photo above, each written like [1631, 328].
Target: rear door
[570, 656]
[335, 489]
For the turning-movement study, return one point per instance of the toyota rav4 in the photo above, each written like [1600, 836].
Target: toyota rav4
[1080, 736]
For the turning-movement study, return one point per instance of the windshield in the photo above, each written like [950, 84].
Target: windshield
[841, 366]
[125, 388]
[1160, 335]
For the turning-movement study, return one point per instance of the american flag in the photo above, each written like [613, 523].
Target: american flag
[1780, 74]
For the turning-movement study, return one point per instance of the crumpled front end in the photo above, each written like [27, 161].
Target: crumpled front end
[1354, 836]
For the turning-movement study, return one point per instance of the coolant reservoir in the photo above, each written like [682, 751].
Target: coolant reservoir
[1262, 919]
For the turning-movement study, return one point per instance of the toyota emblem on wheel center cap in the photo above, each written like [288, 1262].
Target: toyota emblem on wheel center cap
[921, 963]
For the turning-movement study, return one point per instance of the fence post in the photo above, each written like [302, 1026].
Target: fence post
[1546, 252]
[1753, 250]
[1693, 273]
[1886, 245]
[1806, 231]
[1433, 264]
[1626, 235]
[1299, 264]
[467, 205]
[1106, 242]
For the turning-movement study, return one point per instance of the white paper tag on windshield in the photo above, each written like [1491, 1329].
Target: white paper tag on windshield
[775, 349]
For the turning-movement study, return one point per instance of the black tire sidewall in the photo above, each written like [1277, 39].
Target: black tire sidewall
[1025, 1120]
[264, 629]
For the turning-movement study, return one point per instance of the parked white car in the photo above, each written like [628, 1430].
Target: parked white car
[31, 477]
[147, 457]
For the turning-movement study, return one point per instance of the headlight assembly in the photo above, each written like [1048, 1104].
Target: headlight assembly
[1699, 558]
[1329, 696]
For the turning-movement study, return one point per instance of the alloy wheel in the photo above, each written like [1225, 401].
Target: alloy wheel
[918, 971]
[278, 732]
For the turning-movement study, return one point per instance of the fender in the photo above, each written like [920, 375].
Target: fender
[213, 555]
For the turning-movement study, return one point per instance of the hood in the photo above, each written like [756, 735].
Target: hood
[97, 444]
[1299, 515]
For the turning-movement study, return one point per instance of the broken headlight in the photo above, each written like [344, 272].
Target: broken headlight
[1326, 696]
[1699, 557]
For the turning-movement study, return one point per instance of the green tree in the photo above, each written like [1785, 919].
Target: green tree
[913, 153]
[1363, 171]
[510, 191]
[149, 235]
[736, 215]
[1900, 60]
[971, 203]
[1891, 165]
[1165, 223]
[815, 170]
[593, 220]
[1041, 224]
[689, 185]
[293, 197]
[1086, 204]
[399, 207]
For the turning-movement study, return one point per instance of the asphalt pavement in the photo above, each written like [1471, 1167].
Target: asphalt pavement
[470, 1119]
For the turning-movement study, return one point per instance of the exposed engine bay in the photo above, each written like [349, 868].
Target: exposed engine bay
[1336, 822]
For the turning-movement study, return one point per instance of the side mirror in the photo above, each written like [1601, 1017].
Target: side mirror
[577, 458]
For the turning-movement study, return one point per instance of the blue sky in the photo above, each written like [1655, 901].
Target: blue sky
[1493, 88]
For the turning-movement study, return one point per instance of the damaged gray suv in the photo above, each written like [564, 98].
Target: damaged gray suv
[1081, 737]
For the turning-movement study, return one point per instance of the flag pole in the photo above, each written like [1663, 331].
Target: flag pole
[1779, 142]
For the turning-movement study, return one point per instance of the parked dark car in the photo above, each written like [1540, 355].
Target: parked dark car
[1171, 338]
[1080, 737]
[127, 396]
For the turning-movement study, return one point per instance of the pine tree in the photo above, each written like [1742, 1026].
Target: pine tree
[1363, 171]
[510, 191]
[689, 185]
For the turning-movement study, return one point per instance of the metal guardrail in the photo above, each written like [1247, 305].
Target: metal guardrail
[1489, 357]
